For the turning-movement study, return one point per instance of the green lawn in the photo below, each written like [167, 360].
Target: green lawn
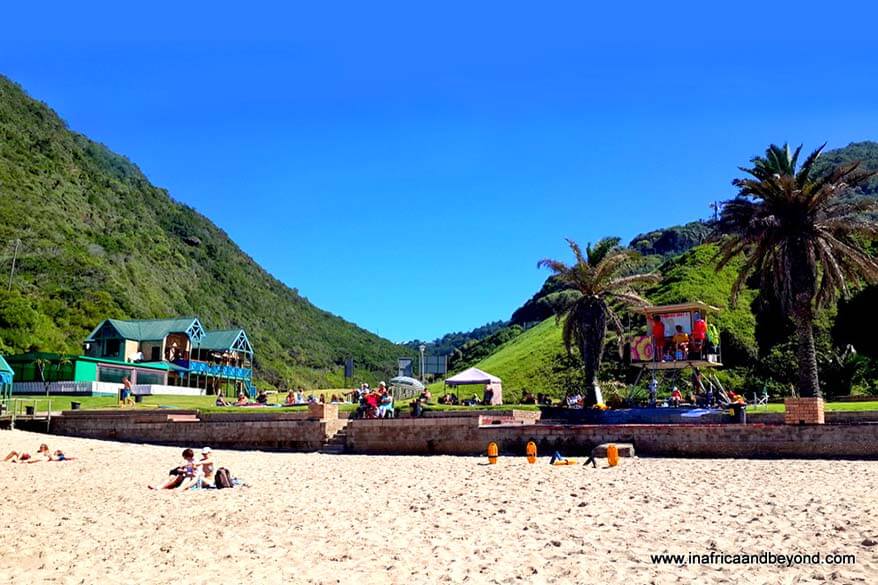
[206, 404]
[203, 403]
[829, 406]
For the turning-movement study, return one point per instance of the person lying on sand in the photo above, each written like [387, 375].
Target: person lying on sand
[24, 457]
[58, 455]
[178, 475]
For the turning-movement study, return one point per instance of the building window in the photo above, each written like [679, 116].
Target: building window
[111, 374]
[150, 377]
[112, 348]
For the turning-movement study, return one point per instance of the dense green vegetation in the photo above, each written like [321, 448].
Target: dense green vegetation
[98, 240]
[448, 343]
[673, 240]
[801, 235]
[604, 280]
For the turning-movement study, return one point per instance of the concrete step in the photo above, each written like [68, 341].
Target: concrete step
[625, 450]
[330, 449]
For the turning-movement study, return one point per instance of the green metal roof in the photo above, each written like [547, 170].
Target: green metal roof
[228, 339]
[150, 329]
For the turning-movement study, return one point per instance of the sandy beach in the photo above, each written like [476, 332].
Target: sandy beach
[311, 518]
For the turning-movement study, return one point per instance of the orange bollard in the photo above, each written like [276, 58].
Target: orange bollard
[493, 451]
[531, 452]
[612, 455]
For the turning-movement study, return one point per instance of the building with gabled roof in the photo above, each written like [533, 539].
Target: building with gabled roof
[176, 352]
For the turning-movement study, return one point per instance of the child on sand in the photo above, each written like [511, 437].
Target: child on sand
[182, 476]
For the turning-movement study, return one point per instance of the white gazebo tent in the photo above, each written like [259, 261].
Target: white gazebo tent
[477, 376]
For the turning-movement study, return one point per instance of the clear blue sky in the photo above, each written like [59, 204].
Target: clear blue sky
[405, 167]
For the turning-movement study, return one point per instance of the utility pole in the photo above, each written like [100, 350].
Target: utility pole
[715, 205]
[422, 348]
[14, 255]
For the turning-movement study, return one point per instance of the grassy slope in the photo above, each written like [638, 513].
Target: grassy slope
[98, 240]
[524, 362]
[528, 360]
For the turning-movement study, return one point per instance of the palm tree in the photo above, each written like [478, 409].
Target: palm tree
[798, 231]
[602, 279]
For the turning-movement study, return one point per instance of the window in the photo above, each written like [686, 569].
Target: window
[112, 348]
[150, 377]
[111, 374]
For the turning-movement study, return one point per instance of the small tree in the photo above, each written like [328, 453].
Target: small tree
[603, 277]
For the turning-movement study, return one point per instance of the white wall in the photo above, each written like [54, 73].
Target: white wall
[160, 390]
[102, 389]
[90, 388]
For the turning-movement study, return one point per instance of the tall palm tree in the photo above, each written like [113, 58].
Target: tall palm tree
[603, 278]
[798, 231]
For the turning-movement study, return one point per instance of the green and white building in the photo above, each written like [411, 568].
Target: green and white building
[158, 356]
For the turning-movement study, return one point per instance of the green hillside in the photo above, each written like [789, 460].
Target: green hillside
[529, 361]
[98, 240]
[537, 361]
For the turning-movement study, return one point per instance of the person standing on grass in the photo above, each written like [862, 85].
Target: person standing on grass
[126, 392]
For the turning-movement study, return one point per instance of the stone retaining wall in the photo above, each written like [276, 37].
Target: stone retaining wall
[466, 436]
[461, 437]
[278, 432]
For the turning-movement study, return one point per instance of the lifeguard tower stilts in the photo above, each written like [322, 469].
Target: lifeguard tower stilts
[669, 365]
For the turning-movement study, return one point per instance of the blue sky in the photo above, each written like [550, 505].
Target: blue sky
[405, 167]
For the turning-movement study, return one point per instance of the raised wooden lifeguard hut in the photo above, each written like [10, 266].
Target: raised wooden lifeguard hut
[685, 315]
[668, 368]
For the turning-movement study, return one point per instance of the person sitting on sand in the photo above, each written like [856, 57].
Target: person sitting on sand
[205, 468]
[180, 474]
[24, 457]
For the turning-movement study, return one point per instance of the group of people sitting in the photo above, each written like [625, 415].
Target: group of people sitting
[293, 398]
[42, 454]
[680, 345]
[474, 400]
[196, 474]
[373, 402]
[242, 400]
[528, 397]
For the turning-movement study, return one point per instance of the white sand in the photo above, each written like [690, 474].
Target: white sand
[312, 518]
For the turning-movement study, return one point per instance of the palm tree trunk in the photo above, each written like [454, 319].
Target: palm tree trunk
[804, 278]
[806, 354]
[592, 335]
